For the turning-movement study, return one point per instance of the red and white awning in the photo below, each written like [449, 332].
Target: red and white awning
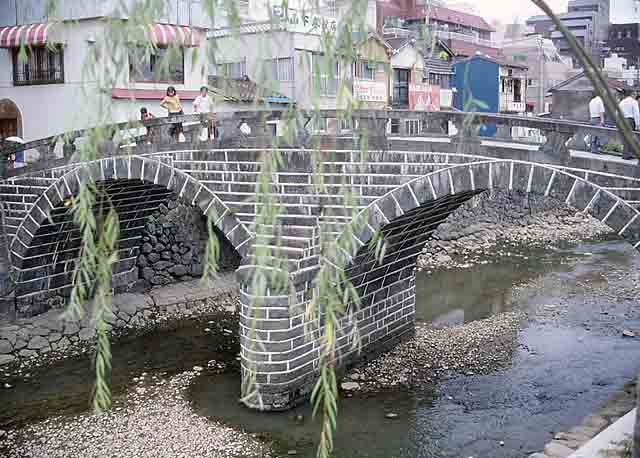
[169, 34]
[27, 35]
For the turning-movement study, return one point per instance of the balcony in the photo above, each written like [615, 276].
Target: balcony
[397, 32]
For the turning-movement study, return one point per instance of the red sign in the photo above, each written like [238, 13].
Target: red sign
[424, 97]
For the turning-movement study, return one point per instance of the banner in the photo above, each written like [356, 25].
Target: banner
[370, 91]
[424, 97]
[304, 22]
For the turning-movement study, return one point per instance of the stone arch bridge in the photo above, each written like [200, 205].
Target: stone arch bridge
[414, 176]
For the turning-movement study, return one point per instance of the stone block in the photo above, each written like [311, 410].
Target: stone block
[6, 359]
[87, 334]
[38, 343]
[5, 346]
[71, 328]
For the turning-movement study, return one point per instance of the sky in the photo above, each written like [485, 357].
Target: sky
[507, 10]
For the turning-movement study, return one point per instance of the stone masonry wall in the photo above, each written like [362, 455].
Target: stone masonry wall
[174, 241]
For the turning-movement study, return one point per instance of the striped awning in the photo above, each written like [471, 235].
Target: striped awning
[28, 35]
[178, 35]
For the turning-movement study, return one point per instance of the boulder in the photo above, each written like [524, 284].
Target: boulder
[153, 257]
[178, 270]
[147, 248]
[162, 265]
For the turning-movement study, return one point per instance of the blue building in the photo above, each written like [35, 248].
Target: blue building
[476, 80]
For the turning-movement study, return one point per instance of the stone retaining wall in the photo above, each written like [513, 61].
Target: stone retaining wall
[174, 242]
[50, 333]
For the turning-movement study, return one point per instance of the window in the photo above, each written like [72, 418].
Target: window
[628, 33]
[42, 65]
[364, 70]
[280, 69]
[232, 70]
[157, 65]
[325, 73]
[401, 87]
[439, 79]
[619, 34]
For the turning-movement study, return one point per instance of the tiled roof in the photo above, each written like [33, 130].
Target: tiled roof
[438, 66]
[443, 14]
[244, 91]
[465, 49]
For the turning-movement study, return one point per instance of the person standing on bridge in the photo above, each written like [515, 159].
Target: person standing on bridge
[172, 104]
[596, 111]
[631, 112]
[204, 105]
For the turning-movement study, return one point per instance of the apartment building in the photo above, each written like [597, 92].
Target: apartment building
[588, 20]
[52, 91]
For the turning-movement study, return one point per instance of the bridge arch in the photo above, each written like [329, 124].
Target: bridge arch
[144, 182]
[410, 213]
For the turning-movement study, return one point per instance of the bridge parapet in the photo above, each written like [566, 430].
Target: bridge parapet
[554, 137]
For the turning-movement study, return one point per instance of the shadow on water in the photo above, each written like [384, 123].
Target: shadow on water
[65, 386]
[559, 374]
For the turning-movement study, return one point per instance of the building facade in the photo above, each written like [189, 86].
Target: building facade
[546, 68]
[625, 11]
[588, 20]
[293, 62]
[54, 72]
[624, 40]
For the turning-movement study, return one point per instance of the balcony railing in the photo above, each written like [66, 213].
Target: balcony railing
[398, 32]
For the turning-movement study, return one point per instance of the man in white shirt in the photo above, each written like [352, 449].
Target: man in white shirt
[203, 104]
[596, 113]
[631, 112]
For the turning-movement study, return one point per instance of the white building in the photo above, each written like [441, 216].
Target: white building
[53, 90]
[625, 11]
[287, 55]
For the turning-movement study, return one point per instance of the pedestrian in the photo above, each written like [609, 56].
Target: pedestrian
[204, 105]
[172, 104]
[631, 112]
[596, 113]
[145, 115]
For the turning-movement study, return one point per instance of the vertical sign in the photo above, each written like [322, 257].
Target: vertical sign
[424, 97]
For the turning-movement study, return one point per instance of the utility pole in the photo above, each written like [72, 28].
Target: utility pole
[541, 73]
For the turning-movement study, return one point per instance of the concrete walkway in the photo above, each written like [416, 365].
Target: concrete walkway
[609, 439]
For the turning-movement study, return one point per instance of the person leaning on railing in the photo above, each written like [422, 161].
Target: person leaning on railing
[172, 104]
[631, 112]
[204, 105]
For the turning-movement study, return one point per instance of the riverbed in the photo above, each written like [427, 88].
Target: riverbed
[568, 357]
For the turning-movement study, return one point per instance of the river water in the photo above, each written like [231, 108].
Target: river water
[570, 358]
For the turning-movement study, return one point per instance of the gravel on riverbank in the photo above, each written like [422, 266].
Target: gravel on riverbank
[154, 420]
[500, 216]
[473, 348]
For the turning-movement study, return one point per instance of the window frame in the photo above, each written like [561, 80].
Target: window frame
[242, 65]
[362, 67]
[148, 53]
[276, 62]
[41, 54]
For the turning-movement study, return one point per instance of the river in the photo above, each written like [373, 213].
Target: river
[570, 358]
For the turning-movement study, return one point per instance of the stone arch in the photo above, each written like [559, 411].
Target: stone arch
[10, 119]
[149, 175]
[408, 214]
[473, 178]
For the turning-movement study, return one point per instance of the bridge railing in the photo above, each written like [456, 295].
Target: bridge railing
[555, 137]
